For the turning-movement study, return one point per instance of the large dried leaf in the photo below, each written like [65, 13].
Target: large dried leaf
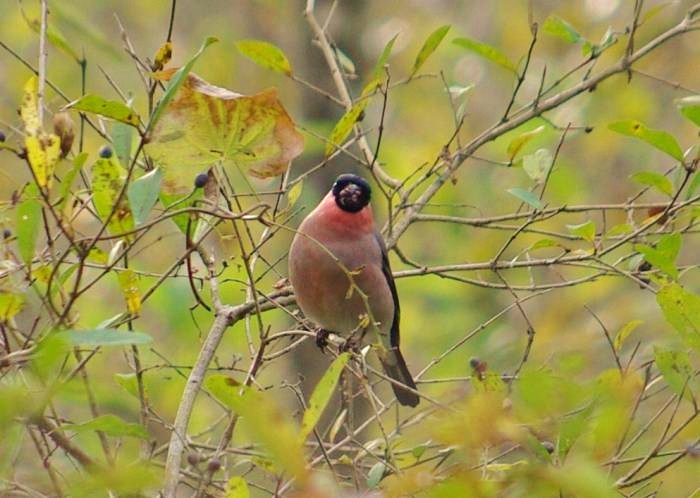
[205, 125]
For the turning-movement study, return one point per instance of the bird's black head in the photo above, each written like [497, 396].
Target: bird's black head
[351, 193]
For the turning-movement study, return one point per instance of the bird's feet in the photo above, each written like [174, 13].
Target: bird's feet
[322, 339]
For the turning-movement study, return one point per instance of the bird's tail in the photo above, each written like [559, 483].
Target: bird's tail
[395, 367]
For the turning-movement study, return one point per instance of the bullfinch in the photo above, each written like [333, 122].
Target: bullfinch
[336, 251]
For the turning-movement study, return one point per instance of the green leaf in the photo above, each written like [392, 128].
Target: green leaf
[664, 255]
[429, 46]
[537, 165]
[487, 52]
[176, 202]
[660, 139]
[53, 35]
[690, 108]
[521, 140]
[294, 193]
[322, 395]
[345, 61]
[264, 420]
[110, 425]
[527, 197]
[656, 180]
[103, 337]
[237, 487]
[556, 26]
[111, 109]
[265, 54]
[143, 194]
[121, 140]
[543, 243]
[621, 229]
[68, 178]
[107, 182]
[28, 223]
[11, 303]
[378, 69]
[584, 230]
[676, 368]
[175, 83]
[343, 127]
[682, 310]
[129, 382]
[624, 333]
[375, 474]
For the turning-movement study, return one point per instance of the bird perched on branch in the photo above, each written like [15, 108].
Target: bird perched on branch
[339, 268]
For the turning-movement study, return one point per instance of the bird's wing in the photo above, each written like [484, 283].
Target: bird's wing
[386, 270]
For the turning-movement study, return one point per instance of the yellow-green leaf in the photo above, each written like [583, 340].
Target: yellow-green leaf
[556, 26]
[111, 109]
[343, 127]
[128, 281]
[486, 51]
[383, 58]
[28, 223]
[110, 425]
[659, 139]
[664, 255]
[294, 193]
[690, 108]
[265, 54]
[521, 140]
[237, 487]
[429, 46]
[11, 303]
[624, 333]
[53, 35]
[584, 230]
[265, 422]
[129, 382]
[322, 395]
[656, 180]
[676, 368]
[537, 165]
[682, 310]
[29, 108]
[43, 153]
[208, 125]
[107, 182]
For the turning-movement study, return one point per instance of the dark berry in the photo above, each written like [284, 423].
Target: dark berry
[6, 233]
[214, 465]
[588, 129]
[474, 362]
[193, 459]
[201, 180]
[2, 136]
[105, 152]
[548, 446]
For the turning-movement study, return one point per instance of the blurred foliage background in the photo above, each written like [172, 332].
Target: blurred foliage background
[593, 167]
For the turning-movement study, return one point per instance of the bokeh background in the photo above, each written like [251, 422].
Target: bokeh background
[593, 168]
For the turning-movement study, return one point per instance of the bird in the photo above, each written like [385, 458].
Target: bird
[340, 272]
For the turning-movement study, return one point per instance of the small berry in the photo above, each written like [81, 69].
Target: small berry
[214, 465]
[474, 362]
[548, 446]
[588, 129]
[2, 137]
[105, 152]
[193, 459]
[6, 233]
[201, 180]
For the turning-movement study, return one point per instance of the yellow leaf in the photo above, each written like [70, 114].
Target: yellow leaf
[128, 281]
[163, 56]
[205, 125]
[43, 153]
[29, 110]
[11, 303]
